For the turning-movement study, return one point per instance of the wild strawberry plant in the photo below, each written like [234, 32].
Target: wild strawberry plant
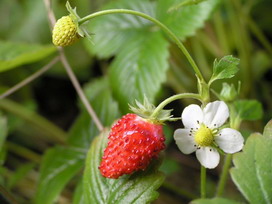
[155, 98]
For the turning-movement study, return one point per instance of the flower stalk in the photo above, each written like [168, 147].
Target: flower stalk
[203, 182]
[224, 175]
[173, 98]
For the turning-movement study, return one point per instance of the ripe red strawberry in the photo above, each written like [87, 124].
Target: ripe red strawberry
[133, 142]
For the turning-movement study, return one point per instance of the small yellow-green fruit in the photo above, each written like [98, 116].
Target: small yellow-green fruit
[65, 32]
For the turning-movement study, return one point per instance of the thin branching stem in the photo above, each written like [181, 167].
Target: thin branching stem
[79, 90]
[30, 78]
[71, 74]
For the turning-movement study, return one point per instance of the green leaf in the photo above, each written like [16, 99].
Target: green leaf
[252, 171]
[14, 54]
[268, 130]
[139, 69]
[224, 68]
[28, 22]
[249, 109]
[185, 3]
[84, 130]
[78, 197]
[185, 21]
[137, 188]
[59, 165]
[169, 166]
[114, 31]
[3, 131]
[214, 201]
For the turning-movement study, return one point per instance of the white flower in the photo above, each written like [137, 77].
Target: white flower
[202, 134]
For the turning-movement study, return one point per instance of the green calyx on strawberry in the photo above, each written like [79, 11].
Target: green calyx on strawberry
[67, 30]
[147, 109]
[134, 140]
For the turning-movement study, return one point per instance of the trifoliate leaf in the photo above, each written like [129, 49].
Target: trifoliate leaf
[252, 171]
[139, 187]
[113, 32]
[185, 21]
[139, 69]
[249, 109]
[224, 68]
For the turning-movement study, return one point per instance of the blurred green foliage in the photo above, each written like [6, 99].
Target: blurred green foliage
[130, 57]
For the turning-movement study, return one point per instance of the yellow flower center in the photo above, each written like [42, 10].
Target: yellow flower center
[204, 136]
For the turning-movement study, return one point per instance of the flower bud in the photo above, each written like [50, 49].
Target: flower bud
[228, 92]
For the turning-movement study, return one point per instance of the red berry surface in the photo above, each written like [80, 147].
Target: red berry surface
[133, 142]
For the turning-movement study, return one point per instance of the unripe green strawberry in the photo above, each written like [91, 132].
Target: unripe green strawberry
[65, 32]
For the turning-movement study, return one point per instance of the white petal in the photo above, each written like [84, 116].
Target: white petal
[184, 141]
[208, 157]
[191, 116]
[215, 114]
[229, 140]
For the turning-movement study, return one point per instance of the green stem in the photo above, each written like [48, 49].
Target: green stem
[173, 98]
[224, 175]
[235, 123]
[203, 182]
[155, 21]
[30, 78]
[47, 128]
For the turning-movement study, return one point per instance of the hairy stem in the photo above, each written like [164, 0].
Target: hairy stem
[224, 175]
[155, 21]
[235, 123]
[30, 78]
